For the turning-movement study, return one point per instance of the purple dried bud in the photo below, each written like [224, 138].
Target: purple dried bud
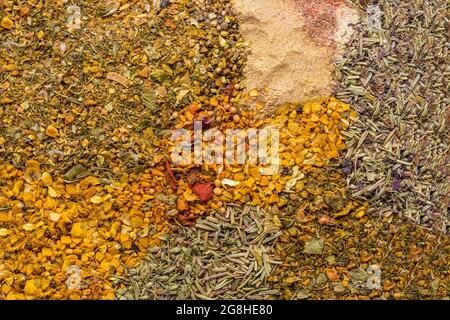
[396, 184]
[206, 122]
[347, 170]
[164, 3]
[396, 174]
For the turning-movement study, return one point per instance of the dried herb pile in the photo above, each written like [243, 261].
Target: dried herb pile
[333, 253]
[96, 97]
[397, 80]
[226, 256]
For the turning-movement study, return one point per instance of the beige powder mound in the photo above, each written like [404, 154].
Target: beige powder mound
[286, 60]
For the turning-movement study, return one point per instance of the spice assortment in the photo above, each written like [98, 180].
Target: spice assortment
[48, 226]
[115, 222]
[95, 205]
[332, 248]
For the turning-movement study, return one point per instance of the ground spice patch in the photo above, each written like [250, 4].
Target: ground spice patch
[320, 19]
[292, 44]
